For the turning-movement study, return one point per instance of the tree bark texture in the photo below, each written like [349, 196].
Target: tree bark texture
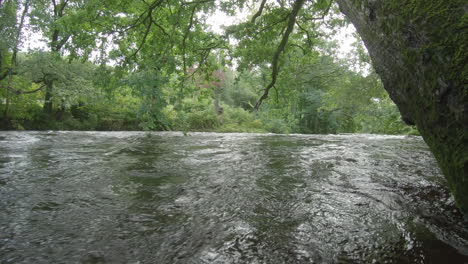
[418, 48]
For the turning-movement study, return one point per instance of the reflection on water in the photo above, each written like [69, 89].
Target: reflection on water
[131, 197]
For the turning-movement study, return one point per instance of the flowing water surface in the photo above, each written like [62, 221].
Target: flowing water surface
[134, 197]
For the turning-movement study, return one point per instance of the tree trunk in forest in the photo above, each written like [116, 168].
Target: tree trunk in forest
[60, 114]
[218, 90]
[48, 98]
[419, 50]
[57, 41]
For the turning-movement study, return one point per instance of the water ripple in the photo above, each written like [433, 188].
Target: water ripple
[135, 197]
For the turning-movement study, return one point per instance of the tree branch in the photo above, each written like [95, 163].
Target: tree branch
[59, 44]
[197, 2]
[309, 39]
[18, 34]
[325, 12]
[259, 12]
[275, 63]
[267, 27]
[184, 40]
[148, 28]
[161, 28]
[143, 16]
[18, 92]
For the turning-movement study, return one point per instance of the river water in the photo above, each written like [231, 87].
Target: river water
[135, 197]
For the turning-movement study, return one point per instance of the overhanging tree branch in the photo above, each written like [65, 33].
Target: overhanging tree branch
[18, 92]
[268, 27]
[275, 63]
[148, 28]
[142, 18]
[259, 12]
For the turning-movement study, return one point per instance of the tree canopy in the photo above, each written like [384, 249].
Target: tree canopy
[131, 64]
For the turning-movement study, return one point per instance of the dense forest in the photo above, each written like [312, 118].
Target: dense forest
[141, 65]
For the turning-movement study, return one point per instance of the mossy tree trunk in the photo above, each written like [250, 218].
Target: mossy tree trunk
[418, 48]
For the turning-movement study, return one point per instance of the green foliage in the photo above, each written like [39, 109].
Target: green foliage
[239, 120]
[234, 115]
[196, 115]
[170, 73]
[8, 22]
[383, 118]
[202, 120]
[277, 126]
[147, 84]
[240, 91]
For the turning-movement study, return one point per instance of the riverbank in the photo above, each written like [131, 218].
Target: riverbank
[233, 120]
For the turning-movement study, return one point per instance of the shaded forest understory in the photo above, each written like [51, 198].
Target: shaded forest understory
[327, 99]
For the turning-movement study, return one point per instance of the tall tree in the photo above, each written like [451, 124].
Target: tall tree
[12, 28]
[419, 50]
[70, 27]
[47, 16]
[8, 29]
